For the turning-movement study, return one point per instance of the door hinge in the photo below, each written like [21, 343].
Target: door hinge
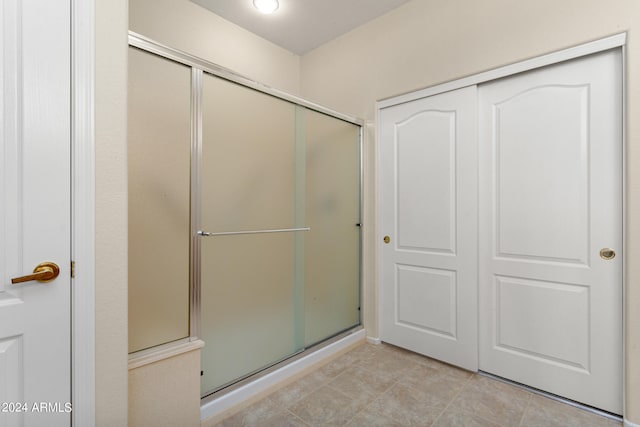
[73, 269]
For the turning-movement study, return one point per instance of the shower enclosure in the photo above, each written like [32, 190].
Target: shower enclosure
[259, 197]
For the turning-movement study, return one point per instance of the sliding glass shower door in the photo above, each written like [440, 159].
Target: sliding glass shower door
[280, 237]
[332, 210]
[244, 206]
[248, 291]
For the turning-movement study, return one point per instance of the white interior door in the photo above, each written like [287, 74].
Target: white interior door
[35, 325]
[428, 208]
[550, 200]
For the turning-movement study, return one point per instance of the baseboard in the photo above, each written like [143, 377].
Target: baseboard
[271, 380]
[373, 340]
[628, 423]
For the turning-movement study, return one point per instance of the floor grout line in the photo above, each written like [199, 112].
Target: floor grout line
[524, 412]
[296, 416]
[452, 400]
[388, 369]
[379, 396]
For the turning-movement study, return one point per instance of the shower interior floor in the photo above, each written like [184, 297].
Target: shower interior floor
[382, 385]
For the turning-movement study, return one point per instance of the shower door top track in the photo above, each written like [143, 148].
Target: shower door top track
[141, 42]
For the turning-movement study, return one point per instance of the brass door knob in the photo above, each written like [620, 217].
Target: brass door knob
[387, 239]
[607, 253]
[45, 272]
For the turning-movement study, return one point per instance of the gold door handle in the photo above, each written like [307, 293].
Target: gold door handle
[387, 239]
[45, 272]
[607, 253]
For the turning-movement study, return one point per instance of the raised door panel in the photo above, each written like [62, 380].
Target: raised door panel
[436, 289]
[541, 174]
[11, 381]
[426, 183]
[555, 318]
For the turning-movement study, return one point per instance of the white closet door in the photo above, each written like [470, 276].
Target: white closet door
[550, 201]
[428, 208]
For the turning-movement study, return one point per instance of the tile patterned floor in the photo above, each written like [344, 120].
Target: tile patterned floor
[381, 385]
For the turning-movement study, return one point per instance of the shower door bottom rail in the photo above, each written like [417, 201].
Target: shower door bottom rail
[233, 233]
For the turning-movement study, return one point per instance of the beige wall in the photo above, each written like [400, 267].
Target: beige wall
[166, 393]
[111, 213]
[426, 42]
[184, 25]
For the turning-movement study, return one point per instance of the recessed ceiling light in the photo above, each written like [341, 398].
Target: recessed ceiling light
[266, 6]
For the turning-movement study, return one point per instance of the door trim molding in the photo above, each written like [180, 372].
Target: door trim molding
[83, 212]
[611, 42]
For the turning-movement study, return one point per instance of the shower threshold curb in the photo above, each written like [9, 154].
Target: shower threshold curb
[259, 387]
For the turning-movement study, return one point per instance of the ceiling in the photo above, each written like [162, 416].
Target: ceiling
[301, 25]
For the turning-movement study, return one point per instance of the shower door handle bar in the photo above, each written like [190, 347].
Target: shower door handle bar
[233, 233]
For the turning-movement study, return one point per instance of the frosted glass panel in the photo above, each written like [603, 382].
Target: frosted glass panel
[159, 142]
[248, 158]
[247, 305]
[332, 247]
[247, 283]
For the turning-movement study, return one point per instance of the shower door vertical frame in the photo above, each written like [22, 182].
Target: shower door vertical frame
[300, 215]
[361, 222]
[196, 186]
